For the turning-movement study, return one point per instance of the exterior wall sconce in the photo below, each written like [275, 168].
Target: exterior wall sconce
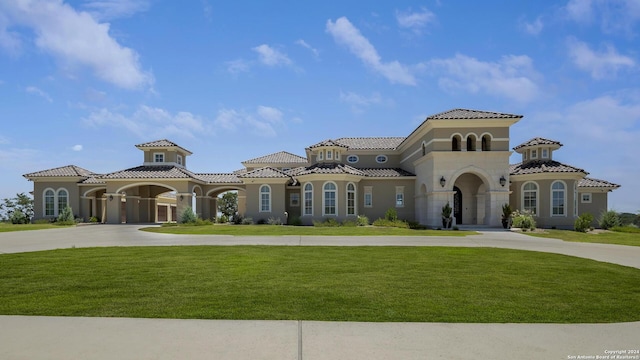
[110, 197]
[442, 181]
[503, 181]
[181, 197]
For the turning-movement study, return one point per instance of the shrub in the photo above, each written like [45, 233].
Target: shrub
[609, 219]
[262, 222]
[583, 223]
[247, 221]
[363, 220]
[416, 225]
[237, 219]
[18, 217]
[391, 214]
[66, 217]
[388, 223]
[350, 223]
[274, 221]
[222, 219]
[295, 221]
[188, 216]
[94, 219]
[328, 222]
[523, 220]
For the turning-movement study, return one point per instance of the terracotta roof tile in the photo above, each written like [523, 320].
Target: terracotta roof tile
[346, 169]
[543, 166]
[265, 172]
[371, 143]
[596, 183]
[393, 172]
[463, 114]
[281, 157]
[163, 143]
[538, 141]
[69, 170]
[221, 178]
[151, 172]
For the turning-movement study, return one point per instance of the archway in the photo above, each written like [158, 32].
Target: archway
[470, 204]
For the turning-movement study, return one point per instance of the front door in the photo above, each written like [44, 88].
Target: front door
[457, 205]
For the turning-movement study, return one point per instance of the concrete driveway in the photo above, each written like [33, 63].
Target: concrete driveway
[118, 338]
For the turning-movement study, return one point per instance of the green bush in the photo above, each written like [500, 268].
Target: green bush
[94, 219]
[328, 222]
[222, 219]
[388, 223]
[274, 221]
[391, 214]
[609, 219]
[583, 223]
[188, 216]
[247, 221]
[416, 225]
[363, 220]
[350, 223]
[66, 217]
[523, 220]
[237, 219]
[295, 221]
[18, 217]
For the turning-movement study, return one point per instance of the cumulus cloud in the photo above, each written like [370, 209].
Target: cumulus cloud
[304, 44]
[36, 91]
[359, 102]
[415, 21]
[149, 121]
[76, 38]
[533, 28]
[613, 16]
[265, 121]
[603, 64]
[270, 56]
[76, 148]
[238, 66]
[113, 9]
[344, 33]
[513, 76]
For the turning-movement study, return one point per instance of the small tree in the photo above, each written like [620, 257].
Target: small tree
[391, 214]
[446, 215]
[583, 223]
[609, 219]
[188, 216]
[66, 216]
[22, 203]
[228, 204]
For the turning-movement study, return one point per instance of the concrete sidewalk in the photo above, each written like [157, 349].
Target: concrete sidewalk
[119, 338]
[23, 337]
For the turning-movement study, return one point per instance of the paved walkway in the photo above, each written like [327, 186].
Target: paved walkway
[24, 337]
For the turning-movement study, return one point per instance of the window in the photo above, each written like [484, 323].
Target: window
[294, 199]
[351, 199]
[352, 159]
[558, 199]
[329, 154]
[63, 200]
[49, 203]
[321, 155]
[586, 198]
[524, 156]
[424, 149]
[381, 159]
[545, 153]
[265, 198]
[329, 199]
[399, 196]
[486, 143]
[455, 143]
[534, 154]
[308, 200]
[471, 143]
[158, 157]
[368, 196]
[337, 155]
[179, 159]
[530, 197]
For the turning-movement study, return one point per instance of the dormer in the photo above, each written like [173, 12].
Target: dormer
[328, 151]
[537, 149]
[164, 152]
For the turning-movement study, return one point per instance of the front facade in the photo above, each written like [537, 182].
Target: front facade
[460, 157]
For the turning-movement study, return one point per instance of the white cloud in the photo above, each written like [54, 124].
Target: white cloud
[603, 64]
[208, 10]
[113, 9]
[511, 77]
[613, 16]
[580, 10]
[270, 114]
[37, 91]
[304, 44]
[238, 66]
[264, 122]
[270, 56]
[148, 121]
[360, 102]
[533, 28]
[415, 21]
[76, 148]
[346, 34]
[77, 39]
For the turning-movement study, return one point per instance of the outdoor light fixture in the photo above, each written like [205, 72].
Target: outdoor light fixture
[110, 197]
[502, 180]
[181, 197]
[442, 181]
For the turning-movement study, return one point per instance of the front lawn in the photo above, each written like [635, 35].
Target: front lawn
[606, 237]
[5, 227]
[425, 284]
[280, 230]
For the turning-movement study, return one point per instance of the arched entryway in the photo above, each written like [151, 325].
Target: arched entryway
[471, 206]
[457, 205]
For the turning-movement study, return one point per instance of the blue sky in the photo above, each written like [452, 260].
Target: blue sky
[82, 82]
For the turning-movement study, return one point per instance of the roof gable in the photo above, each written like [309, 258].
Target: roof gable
[69, 170]
[543, 166]
[537, 142]
[265, 172]
[161, 144]
[465, 114]
[281, 157]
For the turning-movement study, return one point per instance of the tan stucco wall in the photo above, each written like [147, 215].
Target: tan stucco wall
[597, 206]
[277, 202]
[39, 188]
[544, 218]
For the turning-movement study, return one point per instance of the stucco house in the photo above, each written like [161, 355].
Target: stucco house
[459, 156]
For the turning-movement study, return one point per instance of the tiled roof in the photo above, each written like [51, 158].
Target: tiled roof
[281, 157]
[161, 144]
[265, 172]
[596, 183]
[92, 180]
[371, 143]
[346, 169]
[538, 141]
[152, 172]
[219, 178]
[543, 166]
[69, 170]
[327, 143]
[459, 114]
[397, 172]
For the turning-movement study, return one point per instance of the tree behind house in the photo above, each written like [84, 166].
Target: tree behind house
[18, 210]
[228, 204]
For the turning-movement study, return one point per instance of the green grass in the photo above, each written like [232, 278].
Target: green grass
[425, 284]
[279, 230]
[609, 237]
[5, 227]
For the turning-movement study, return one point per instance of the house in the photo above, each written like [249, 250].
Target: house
[460, 157]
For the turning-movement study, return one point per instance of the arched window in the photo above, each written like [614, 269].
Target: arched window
[351, 199]
[558, 199]
[486, 143]
[49, 203]
[455, 143]
[471, 143]
[329, 199]
[308, 199]
[265, 198]
[530, 197]
[63, 200]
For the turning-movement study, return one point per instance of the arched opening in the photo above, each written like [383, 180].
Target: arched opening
[486, 143]
[471, 143]
[470, 206]
[455, 143]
